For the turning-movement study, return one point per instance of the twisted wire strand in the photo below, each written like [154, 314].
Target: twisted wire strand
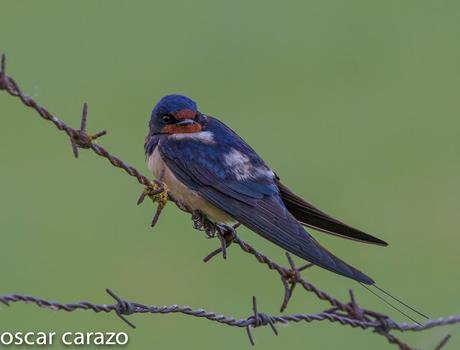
[125, 307]
[128, 308]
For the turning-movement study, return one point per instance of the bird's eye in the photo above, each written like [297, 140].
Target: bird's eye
[167, 118]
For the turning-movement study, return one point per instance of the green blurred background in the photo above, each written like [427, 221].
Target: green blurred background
[354, 103]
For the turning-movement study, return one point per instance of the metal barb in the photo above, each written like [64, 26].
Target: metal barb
[262, 319]
[80, 138]
[290, 261]
[356, 310]
[288, 291]
[157, 191]
[254, 310]
[289, 281]
[249, 332]
[157, 214]
[141, 198]
[443, 342]
[258, 319]
[2, 69]
[212, 255]
[123, 308]
[304, 267]
[84, 116]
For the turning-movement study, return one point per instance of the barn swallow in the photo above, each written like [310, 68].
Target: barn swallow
[208, 167]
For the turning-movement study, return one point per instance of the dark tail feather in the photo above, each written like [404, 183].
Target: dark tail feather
[309, 215]
[401, 302]
[393, 306]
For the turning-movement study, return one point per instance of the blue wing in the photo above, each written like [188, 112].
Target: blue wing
[247, 191]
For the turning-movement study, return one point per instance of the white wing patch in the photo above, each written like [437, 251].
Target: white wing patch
[241, 166]
[203, 136]
[235, 158]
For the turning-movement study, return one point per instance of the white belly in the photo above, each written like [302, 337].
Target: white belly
[183, 194]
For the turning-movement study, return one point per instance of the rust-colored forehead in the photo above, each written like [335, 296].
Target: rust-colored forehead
[184, 114]
[181, 129]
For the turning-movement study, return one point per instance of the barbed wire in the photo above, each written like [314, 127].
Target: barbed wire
[344, 313]
[124, 308]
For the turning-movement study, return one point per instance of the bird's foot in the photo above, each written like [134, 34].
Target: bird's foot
[157, 191]
[201, 223]
[226, 234]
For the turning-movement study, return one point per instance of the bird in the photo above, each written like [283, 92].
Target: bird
[207, 167]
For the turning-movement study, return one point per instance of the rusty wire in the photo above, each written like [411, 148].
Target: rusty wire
[345, 313]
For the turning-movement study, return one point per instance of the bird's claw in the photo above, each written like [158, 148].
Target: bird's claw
[225, 234]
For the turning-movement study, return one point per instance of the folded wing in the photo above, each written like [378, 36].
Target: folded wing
[253, 201]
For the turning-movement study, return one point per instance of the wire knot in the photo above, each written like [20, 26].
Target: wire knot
[259, 319]
[157, 191]
[80, 138]
[355, 310]
[386, 324]
[122, 308]
[290, 278]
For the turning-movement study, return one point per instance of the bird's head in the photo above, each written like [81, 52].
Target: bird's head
[175, 114]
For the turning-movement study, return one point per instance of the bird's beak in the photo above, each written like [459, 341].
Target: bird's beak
[186, 122]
